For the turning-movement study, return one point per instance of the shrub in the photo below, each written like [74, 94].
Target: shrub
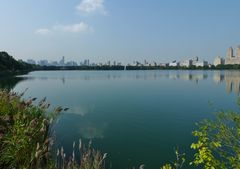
[218, 144]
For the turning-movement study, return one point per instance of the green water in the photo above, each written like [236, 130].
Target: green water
[135, 116]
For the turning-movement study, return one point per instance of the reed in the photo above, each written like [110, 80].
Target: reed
[88, 158]
[26, 137]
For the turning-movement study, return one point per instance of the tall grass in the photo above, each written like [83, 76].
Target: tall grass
[26, 139]
[89, 158]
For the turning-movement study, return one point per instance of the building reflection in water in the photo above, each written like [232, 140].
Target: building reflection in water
[218, 76]
[194, 76]
[232, 79]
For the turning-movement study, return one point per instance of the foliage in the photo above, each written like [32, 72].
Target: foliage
[236, 66]
[8, 63]
[26, 138]
[218, 144]
[24, 131]
[24, 141]
[9, 83]
[178, 164]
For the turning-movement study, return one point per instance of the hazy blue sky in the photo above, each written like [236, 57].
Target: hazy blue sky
[121, 30]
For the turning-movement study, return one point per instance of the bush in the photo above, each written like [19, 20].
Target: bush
[218, 144]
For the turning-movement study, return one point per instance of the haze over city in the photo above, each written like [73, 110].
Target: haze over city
[102, 30]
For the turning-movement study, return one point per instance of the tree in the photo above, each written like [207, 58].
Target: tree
[8, 63]
[218, 142]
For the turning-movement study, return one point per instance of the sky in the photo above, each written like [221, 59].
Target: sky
[119, 30]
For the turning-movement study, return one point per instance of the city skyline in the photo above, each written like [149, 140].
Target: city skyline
[102, 30]
[232, 57]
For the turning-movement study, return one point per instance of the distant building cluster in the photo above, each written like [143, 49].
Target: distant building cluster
[189, 62]
[230, 59]
[63, 63]
[184, 63]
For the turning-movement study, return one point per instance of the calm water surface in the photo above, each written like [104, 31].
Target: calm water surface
[135, 116]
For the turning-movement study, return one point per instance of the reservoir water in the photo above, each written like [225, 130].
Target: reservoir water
[137, 117]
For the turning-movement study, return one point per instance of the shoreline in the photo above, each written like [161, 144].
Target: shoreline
[128, 67]
[6, 73]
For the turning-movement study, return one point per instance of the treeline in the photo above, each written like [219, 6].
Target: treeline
[106, 67]
[9, 64]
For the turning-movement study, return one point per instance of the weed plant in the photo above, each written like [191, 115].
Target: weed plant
[26, 137]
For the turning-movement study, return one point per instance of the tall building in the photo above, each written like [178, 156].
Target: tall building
[218, 61]
[43, 62]
[86, 62]
[186, 63]
[194, 60]
[62, 61]
[230, 52]
[230, 59]
[201, 63]
[31, 61]
[174, 63]
[238, 52]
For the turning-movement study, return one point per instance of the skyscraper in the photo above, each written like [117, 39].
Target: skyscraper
[218, 61]
[230, 52]
[62, 61]
[230, 59]
[238, 52]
